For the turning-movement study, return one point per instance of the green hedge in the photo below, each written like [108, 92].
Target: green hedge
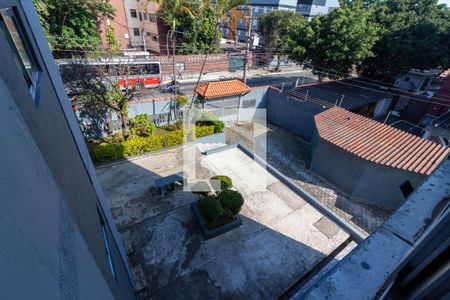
[207, 118]
[139, 145]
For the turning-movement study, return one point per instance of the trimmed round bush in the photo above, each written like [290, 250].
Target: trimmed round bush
[211, 209]
[231, 202]
[225, 182]
[201, 188]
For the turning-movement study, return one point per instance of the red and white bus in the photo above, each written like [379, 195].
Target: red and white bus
[140, 72]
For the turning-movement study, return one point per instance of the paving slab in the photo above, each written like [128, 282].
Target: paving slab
[277, 244]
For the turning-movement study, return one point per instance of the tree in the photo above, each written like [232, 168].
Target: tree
[233, 18]
[198, 31]
[111, 41]
[340, 40]
[222, 9]
[278, 28]
[195, 19]
[92, 85]
[72, 24]
[414, 34]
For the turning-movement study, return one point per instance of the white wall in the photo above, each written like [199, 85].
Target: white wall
[323, 10]
[42, 253]
[133, 22]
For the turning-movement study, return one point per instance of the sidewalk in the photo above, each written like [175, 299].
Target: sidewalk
[226, 75]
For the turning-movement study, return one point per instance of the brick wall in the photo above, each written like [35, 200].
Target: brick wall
[193, 63]
[119, 23]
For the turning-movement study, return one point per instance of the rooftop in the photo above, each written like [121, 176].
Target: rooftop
[379, 143]
[370, 268]
[353, 93]
[282, 237]
[222, 89]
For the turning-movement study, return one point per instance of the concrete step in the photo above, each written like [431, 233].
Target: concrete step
[203, 147]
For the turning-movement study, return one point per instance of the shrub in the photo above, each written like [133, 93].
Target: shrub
[201, 131]
[182, 100]
[211, 209]
[225, 181]
[231, 201]
[141, 126]
[140, 145]
[201, 188]
[105, 152]
[207, 118]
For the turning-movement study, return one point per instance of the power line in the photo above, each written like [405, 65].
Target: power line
[390, 86]
[416, 99]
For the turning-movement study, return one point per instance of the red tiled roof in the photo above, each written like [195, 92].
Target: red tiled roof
[379, 143]
[222, 89]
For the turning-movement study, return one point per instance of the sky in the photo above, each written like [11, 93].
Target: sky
[445, 1]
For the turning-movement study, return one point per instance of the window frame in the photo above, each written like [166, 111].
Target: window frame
[133, 13]
[107, 245]
[138, 30]
[32, 79]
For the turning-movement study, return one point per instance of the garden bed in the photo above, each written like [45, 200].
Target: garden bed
[210, 233]
[110, 151]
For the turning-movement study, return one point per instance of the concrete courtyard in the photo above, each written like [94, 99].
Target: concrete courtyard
[290, 155]
[282, 237]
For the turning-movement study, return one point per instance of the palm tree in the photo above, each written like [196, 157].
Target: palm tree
[233, 19]
[222, 8]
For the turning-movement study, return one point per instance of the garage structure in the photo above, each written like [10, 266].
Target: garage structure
[370, 160]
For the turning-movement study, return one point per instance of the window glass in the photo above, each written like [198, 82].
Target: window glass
[152, 18]
[107, 247]
[140, 16]
[152, 69]
[145, 16]
[133, 13]
[136, 32]
[11, 30]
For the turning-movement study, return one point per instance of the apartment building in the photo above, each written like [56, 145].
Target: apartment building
[312, 8]
[308, 8]
[153, 30]
[136, 25]
[58, 237]
[119, 25]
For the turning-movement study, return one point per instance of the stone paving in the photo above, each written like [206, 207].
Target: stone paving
[281, 239]
[290, 155]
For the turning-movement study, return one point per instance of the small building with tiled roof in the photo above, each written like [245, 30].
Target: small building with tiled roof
[369, 160]
[222, 89]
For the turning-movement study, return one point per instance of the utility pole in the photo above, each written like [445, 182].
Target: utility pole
[249, 22]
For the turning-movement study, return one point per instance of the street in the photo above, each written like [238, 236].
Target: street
[274, 79]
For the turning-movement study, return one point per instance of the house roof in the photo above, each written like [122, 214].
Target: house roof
[379, 143]
[222, 89]
[354, 93]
